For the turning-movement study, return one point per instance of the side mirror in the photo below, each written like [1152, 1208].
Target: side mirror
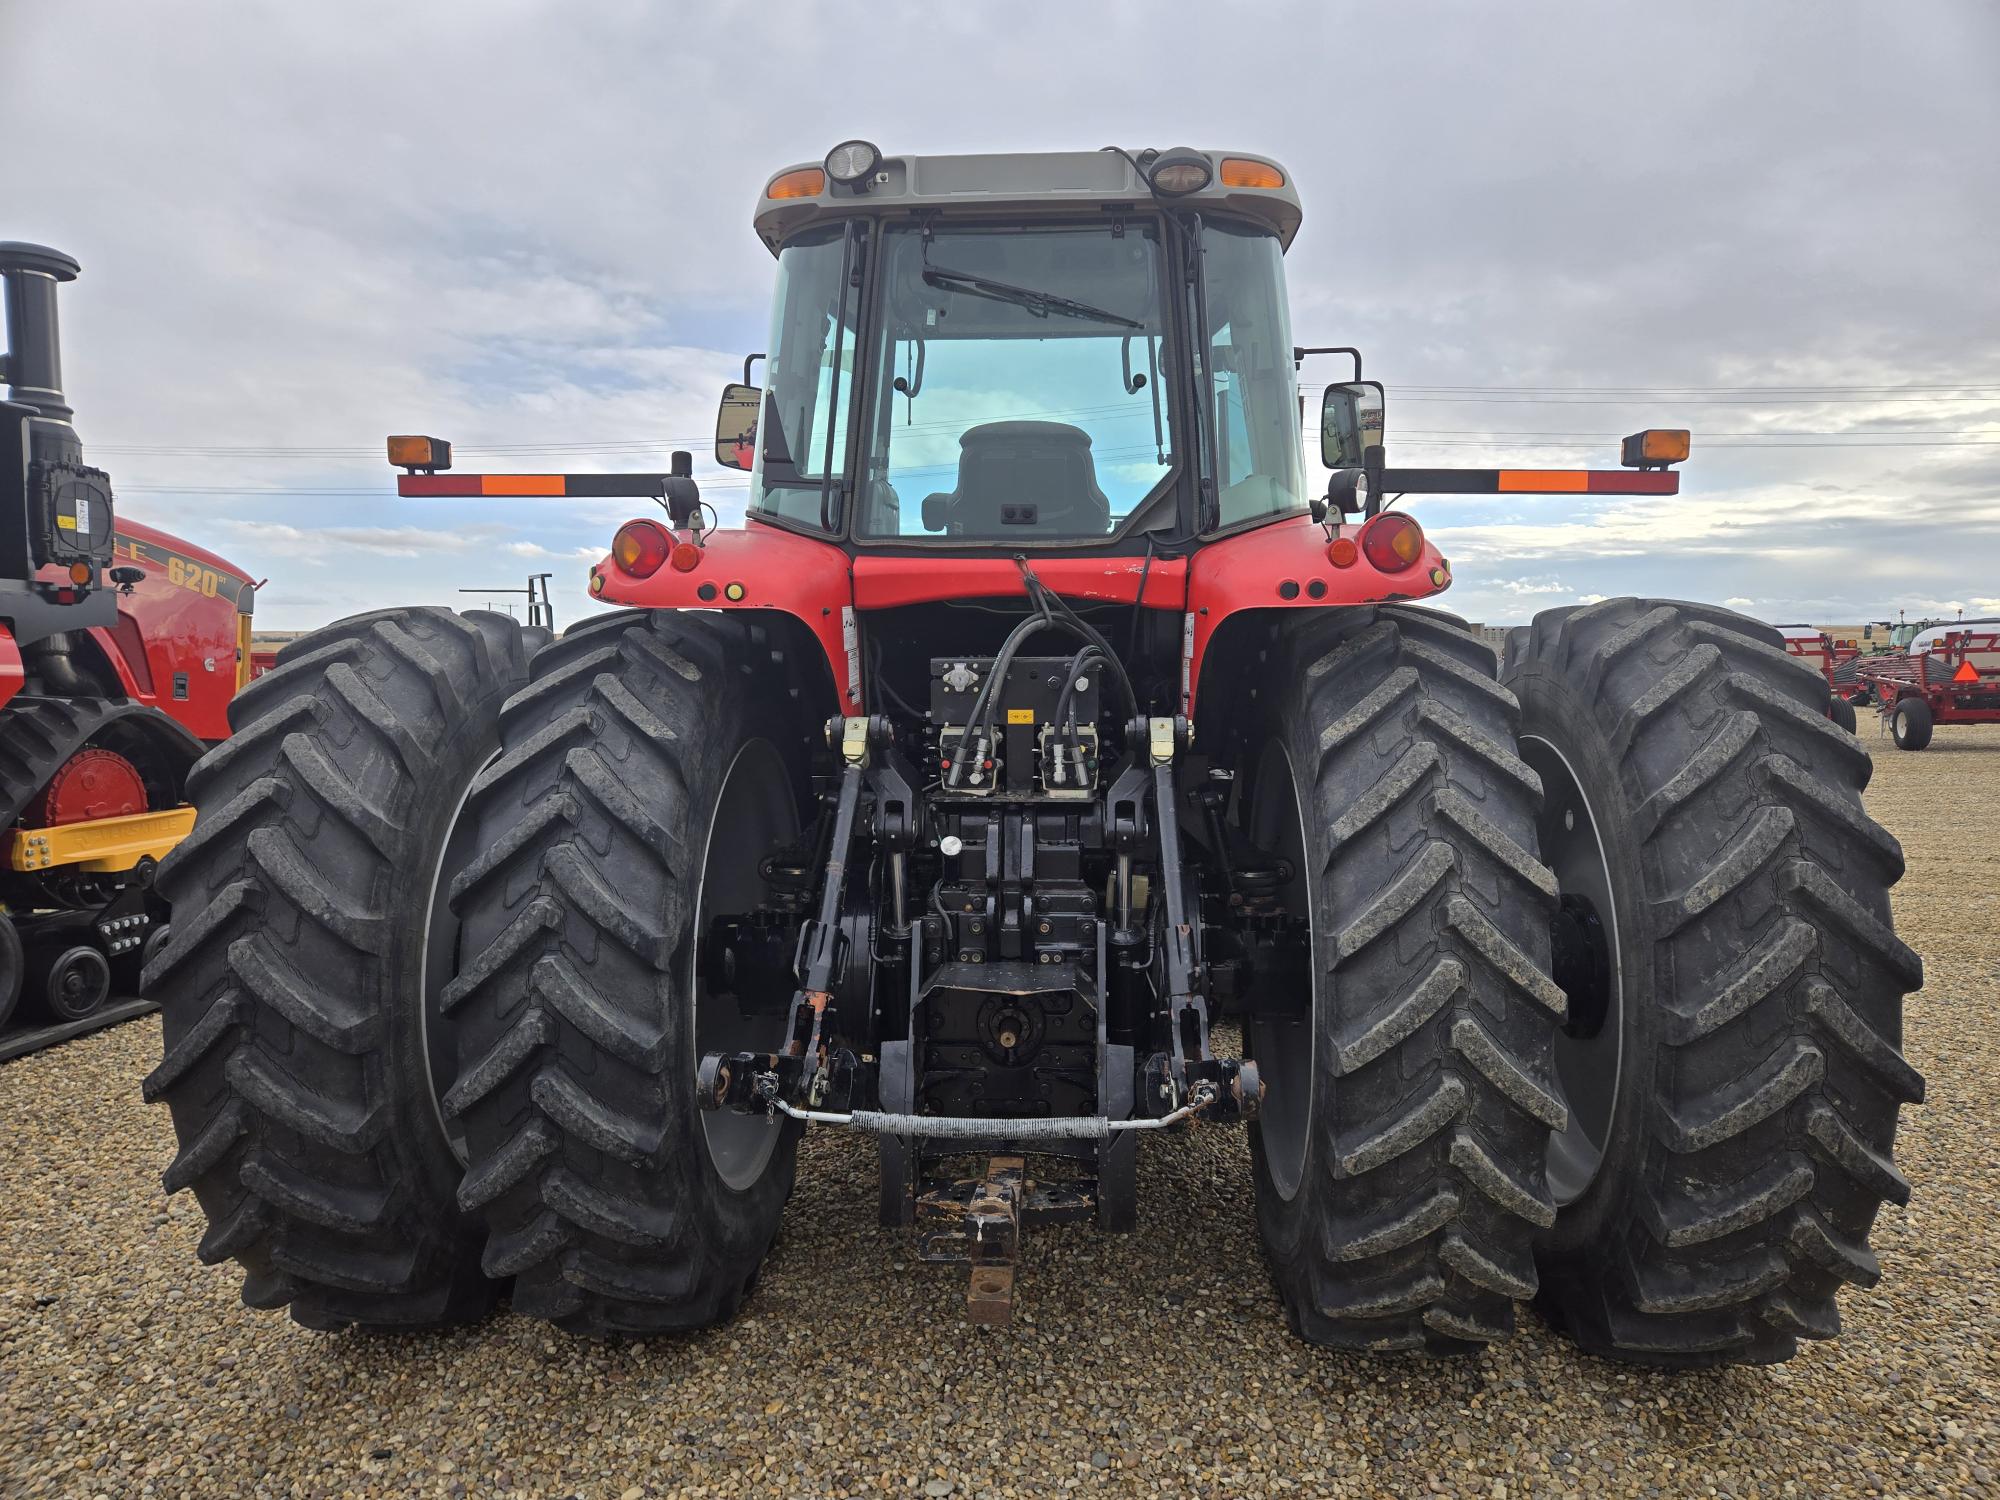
[736, 426]
[1350, 425]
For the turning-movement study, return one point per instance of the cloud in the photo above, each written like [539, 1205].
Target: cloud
[286, 243]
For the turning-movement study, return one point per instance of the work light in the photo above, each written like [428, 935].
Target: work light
[1176, 173]
[851, 161]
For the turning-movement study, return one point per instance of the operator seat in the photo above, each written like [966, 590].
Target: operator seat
[1025, 477]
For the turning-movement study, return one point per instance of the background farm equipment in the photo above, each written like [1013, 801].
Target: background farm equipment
[1036, 720]
[120, 648]
[1949, 674]
[1817, 649]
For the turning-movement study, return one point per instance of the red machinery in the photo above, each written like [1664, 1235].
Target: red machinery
[1950, 675]
[1815, 648]
[1035, 719]
[120, 648]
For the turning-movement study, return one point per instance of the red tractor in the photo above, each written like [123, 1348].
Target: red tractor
[120, 648]
[1034, 722]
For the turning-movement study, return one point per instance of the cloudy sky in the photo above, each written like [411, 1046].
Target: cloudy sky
[526, 225]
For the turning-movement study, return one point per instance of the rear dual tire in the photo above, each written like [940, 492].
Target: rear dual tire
[653, 761]
[1399, 1159]
[298, 984]
[1719, 1192]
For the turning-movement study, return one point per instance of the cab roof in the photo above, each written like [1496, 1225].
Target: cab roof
[1013, 184]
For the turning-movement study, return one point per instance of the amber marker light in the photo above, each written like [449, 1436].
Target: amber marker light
[1656, 447]
[79, 573]
[1241, 172]
[640, 548]
[685, 557]
[1342, 552]
[805, 182]
[426, 453]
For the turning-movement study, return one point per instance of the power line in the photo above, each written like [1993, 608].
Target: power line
[1527, 395]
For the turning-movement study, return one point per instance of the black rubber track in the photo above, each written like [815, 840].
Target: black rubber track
[1422, 1183]
[573, 1005]
[290, 987]
[1751, 1144]
[13, 968]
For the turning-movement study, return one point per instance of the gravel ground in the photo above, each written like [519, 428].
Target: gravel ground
[1156, 1364]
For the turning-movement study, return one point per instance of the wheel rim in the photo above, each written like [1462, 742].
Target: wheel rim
[754, 813]
[439, 963]
[1589, 1049]
[1285, 1049]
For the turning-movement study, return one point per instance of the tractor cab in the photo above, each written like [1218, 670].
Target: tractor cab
[1080, 349]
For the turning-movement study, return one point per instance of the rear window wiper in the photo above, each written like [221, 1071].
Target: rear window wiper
[1038, 304]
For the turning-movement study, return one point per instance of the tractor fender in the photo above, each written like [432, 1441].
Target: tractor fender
[758, 568]
[1285, 565]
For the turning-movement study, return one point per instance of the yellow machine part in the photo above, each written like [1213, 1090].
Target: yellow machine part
[244, 652]
[102, 846]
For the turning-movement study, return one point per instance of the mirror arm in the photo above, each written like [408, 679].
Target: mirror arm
[913, 385]
[1299, 355]
[748, 361]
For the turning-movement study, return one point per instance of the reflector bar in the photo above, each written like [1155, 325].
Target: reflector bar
[579, 486]
[1530, 482]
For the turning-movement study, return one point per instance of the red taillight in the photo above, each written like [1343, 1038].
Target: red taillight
[640, 548]
[1392, 542]
[686, 557]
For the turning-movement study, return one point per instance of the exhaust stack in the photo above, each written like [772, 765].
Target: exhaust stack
[32, 366]
[55, 511]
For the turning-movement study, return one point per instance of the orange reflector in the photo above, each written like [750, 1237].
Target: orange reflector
[1544, 481]
[1342, 552]
[1966, 672]
[521, 484]
[806, 182]
[79, 573]
[685, 557]
[1239, 171]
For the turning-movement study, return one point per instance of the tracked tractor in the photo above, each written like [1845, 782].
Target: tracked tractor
[120, 648]
[1038, 770]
